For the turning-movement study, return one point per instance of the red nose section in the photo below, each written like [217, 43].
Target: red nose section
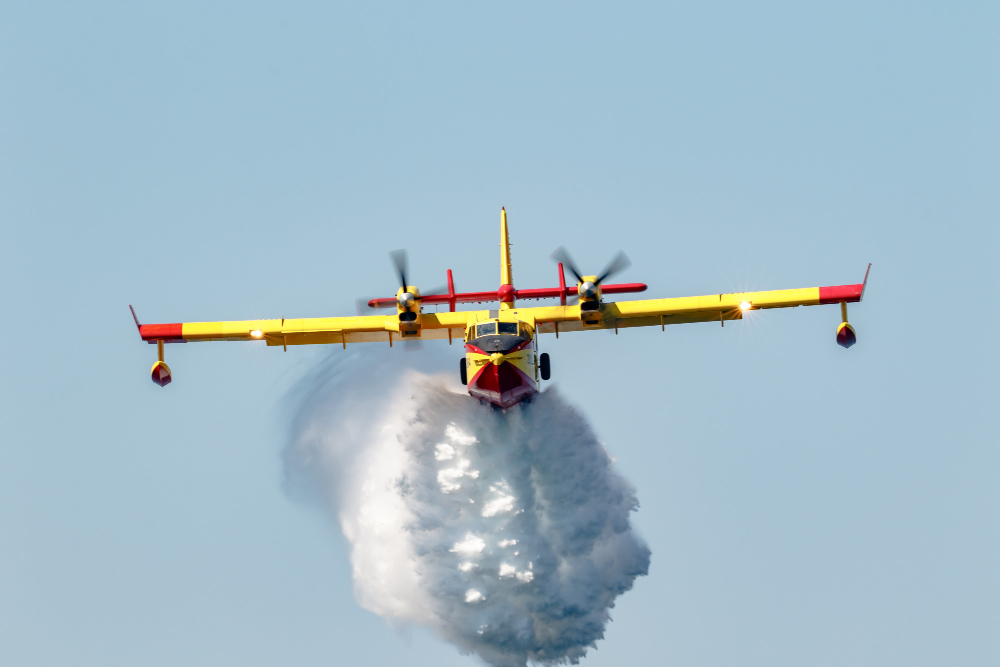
[161, 374]
[502, 385]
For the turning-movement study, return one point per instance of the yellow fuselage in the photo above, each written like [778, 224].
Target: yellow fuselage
[501, 357]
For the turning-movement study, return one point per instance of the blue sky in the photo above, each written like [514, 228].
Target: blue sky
[803, 504]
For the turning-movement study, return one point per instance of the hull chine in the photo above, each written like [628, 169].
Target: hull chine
[504, 385]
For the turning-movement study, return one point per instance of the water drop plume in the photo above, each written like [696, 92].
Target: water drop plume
[507, 533]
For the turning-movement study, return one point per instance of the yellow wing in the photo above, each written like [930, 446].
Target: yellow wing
[546, 319]
[310, 331]
[682, 310]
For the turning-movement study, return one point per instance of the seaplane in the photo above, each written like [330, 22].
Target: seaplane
[502, 364]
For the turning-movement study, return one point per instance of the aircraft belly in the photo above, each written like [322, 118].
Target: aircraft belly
[503, 384]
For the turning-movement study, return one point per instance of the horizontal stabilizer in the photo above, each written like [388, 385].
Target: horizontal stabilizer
[485, 297]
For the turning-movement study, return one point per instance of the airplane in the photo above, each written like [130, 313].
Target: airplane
[502, 365]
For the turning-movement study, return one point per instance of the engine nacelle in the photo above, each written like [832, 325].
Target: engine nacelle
[408, 312]
[161, 373]
[846, 336]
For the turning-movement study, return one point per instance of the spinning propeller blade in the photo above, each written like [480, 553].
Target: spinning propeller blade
[398, 258]
[439, 290]
[619, 263]
[616, 265]
[400, 264]
[562, 255]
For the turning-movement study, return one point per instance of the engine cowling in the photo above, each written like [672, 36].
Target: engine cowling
[408, 312]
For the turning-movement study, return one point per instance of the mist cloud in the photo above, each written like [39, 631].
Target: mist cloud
[507, 533]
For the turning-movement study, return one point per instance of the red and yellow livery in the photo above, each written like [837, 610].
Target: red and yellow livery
[502, 364]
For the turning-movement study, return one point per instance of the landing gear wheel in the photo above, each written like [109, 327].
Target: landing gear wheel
[543, 361]
[461, 371]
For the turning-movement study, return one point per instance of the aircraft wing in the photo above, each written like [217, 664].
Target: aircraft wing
[548, 319]
[683, 310]
[309, 331]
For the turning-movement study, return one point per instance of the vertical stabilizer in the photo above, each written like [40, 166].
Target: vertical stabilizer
[506, 275]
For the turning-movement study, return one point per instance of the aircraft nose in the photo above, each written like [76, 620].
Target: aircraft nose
[497, 358]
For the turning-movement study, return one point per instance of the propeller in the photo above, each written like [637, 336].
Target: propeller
[405, 299]
[399, 262]
[437, 291]
[561, 255]
[618, 263]
[398, 258]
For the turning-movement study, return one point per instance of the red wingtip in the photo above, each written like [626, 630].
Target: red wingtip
[137, 325]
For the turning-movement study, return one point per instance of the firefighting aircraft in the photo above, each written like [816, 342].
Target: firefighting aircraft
[502, 365]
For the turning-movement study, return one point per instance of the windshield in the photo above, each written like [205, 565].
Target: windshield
[492, 328]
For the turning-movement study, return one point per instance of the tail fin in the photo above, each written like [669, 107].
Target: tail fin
[506, 276]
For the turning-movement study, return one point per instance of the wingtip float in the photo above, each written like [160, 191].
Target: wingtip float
[502, 364]
[160, 373]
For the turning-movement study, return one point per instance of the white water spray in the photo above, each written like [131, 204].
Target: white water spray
[506, 533]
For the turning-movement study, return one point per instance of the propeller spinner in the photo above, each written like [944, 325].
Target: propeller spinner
[405, 298]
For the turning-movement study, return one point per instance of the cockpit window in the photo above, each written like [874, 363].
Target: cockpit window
[486, 329]
[508, 328]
